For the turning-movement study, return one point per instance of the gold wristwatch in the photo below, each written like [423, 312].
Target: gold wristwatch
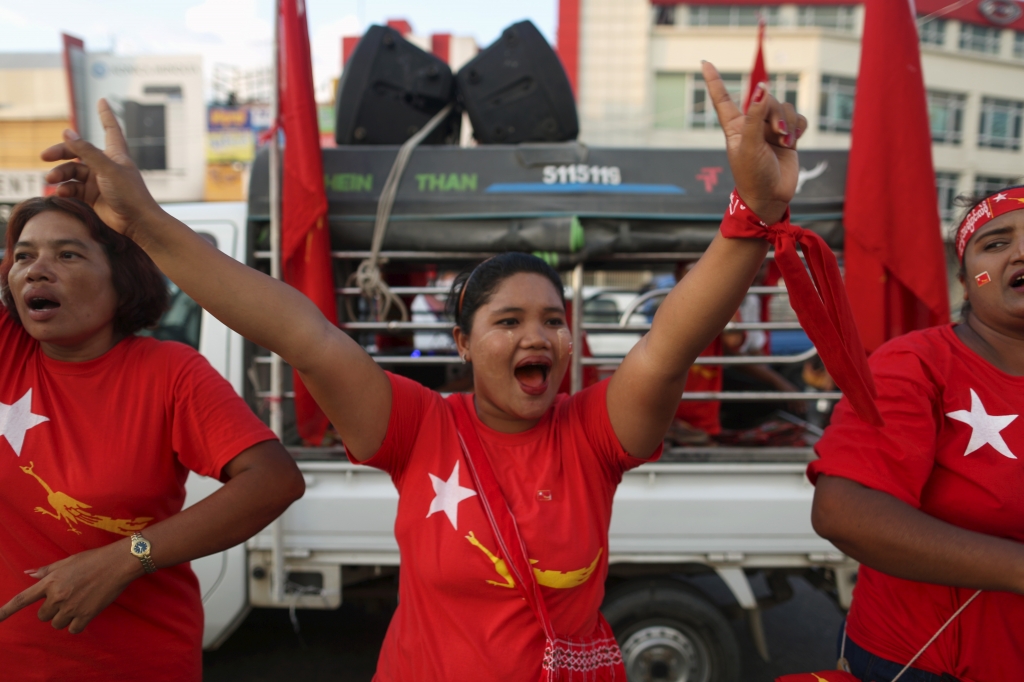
[141, 548]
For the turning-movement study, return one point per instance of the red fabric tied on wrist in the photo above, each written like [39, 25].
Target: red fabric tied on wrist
[819, 300]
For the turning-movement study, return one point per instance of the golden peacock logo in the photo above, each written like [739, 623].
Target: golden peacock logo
[558, 579]
[71, 511]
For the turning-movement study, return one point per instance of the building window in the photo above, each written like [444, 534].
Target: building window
[732, 15]
[1000, 123]
[839, 17]
[946, 116]
[946, 184]
[933, 33]
[702, 111]
[665, 15]
[979, 39]
[785, 87]
[669, 86]
[1018, 44]
[669, 100]
[836, 112]
[990, 184]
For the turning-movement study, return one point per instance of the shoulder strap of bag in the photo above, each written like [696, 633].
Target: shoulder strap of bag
[843, 665]
[506, 531]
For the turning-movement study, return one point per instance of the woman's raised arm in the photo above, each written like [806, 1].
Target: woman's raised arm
[350, 387]
[644, 392]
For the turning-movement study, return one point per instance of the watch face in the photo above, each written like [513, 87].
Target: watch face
[140, 547]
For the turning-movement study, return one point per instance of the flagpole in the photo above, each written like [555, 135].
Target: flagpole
[276, 387]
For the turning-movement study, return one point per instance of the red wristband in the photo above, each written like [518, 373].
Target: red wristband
[819, 300]
[740, 221]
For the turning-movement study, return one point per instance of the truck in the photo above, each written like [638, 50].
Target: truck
[734, 515]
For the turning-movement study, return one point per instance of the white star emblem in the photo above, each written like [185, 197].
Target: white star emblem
[448, 494]
[986, 427]
[999, 197]
[16, 419]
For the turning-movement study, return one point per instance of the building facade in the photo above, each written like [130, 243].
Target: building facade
[33, 113]
[639, 83]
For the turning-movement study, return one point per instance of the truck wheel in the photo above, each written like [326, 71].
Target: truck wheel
[668, 633]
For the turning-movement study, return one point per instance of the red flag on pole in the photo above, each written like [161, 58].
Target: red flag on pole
[895, 260]
[758, 74]
[305, 241]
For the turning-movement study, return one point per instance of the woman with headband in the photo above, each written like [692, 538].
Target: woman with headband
[933, 502]
[505, 495]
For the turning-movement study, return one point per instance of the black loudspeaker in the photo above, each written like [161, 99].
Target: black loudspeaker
[517, 91]
[146, 134]
[389, 89]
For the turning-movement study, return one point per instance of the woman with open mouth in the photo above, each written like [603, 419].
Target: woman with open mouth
[100, 428]
[932, 504]
[505, 494]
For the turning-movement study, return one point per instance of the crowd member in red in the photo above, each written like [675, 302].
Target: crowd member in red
[100, 428]
[556, 459]
[931, 504]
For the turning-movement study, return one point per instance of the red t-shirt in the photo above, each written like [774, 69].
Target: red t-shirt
[91, 452]
[953, 447]
[459, 616]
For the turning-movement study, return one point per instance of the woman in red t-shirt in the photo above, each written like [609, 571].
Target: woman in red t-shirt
[933, 502]
[99, 429]
[557, 460]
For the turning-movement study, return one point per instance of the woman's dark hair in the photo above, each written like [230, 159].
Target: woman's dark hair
[968, 202]
[474, 288]
[141, 290]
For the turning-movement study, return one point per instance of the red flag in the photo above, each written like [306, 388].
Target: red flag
[758, 74]
[895, 260]
[305, 241]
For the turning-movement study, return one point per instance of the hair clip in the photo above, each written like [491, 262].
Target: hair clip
[982, 279]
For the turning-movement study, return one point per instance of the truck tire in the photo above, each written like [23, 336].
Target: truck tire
[668, 633]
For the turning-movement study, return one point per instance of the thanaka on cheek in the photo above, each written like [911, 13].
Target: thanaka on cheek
[564, 342]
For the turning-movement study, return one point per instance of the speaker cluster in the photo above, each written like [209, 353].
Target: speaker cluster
[513, 91]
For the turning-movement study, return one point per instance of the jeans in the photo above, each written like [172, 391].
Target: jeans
[871, 668]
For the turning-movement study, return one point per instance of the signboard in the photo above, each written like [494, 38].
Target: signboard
[526, 197]
[159, 102]
[229, 135]
[18, 185]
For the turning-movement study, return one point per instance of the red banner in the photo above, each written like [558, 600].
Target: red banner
[305, 240]
[895, 259]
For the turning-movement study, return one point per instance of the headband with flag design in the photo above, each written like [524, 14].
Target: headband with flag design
[991, 207]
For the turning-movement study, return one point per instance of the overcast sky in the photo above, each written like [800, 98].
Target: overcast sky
[238, 32]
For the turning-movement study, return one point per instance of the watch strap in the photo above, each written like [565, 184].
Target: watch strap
[147, 561]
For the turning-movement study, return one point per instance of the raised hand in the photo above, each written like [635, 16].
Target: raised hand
[761, 145]
[106, 180]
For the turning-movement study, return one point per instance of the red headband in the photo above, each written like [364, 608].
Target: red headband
[990, 208]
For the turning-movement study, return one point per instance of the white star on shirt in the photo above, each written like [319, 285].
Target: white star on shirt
[448, 494]
[999, 197]
[16, 419]
[986, 427]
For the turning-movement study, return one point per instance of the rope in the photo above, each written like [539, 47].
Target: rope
[935, 636]
[368, 276]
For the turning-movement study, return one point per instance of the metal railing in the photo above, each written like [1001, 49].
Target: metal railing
[575, 293]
